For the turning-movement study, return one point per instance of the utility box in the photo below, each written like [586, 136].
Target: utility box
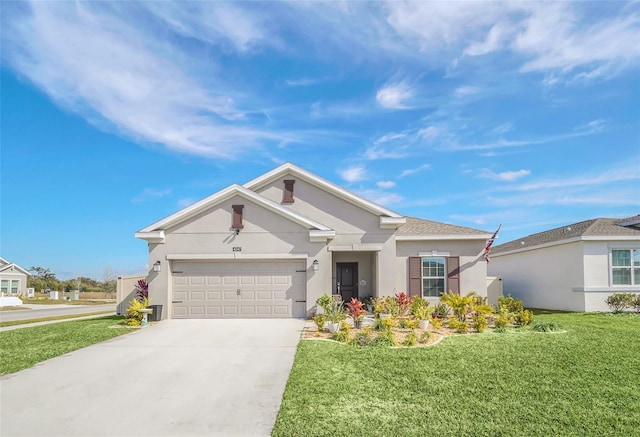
[53, 295]
[31, 292]
[74, 295]
[156, 315]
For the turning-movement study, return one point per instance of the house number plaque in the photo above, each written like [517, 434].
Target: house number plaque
[237, 249]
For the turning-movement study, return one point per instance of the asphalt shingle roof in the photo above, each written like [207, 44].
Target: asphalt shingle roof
[598, 227]
[415, 226]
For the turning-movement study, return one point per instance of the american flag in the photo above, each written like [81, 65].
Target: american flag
[490, 241]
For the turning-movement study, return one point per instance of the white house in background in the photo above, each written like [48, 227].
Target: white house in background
[271, 247]
[574, 267]
[13, 279]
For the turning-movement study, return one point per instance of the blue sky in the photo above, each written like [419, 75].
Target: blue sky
[116, 114]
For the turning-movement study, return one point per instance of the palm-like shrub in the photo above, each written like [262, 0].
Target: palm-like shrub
[460, 305]
[356, 310]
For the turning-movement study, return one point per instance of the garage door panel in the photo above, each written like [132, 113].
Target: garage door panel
[210, 289]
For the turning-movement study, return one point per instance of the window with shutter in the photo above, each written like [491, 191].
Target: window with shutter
[237, 217]
[432, 276]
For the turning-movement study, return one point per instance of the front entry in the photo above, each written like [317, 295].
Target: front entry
[347, 280]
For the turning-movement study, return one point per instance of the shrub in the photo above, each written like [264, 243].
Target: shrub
[142, 290]
[362, 338]
[411, 323]
[424, 338]
[440, 310]
[341, 336]
[403, 301]
[621, 301]
[320, 320]
[436, 323]
[480, 322]
[325, 302]
[523, 318]
[544, 326]
[503, 319]
[132, 316]
[344, 326]
[356, 310]
[410, 339]
[636, 303]
[385, 338]
[460, 326]
[389, 323]
[335, 312]
[511, 304]
[500, 329]
[461, 305]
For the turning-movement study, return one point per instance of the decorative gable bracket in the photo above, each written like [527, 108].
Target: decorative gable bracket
[156, 237]
[391, 222]
[321, 236]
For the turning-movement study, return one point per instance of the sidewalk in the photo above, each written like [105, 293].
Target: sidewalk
[48, 322]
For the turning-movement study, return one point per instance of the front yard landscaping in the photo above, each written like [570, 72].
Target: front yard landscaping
[582, 381]
[25, 347]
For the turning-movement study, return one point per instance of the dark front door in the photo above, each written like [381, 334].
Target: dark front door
[347, 280]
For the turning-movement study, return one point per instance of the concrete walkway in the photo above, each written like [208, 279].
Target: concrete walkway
[175, 378]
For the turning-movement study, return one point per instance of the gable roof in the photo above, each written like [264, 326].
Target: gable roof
[417, 229]
[289, 168]
[594, 229]
[155, 232]
[6, 266]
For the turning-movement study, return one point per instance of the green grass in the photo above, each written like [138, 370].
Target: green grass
[23, 348]
[51, 318]
[583, 382]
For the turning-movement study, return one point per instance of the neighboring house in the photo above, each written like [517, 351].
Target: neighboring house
[13, 279]
[574, 267]
[271, 247]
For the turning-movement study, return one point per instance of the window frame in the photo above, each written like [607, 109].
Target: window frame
[444, 276]
[633, 269]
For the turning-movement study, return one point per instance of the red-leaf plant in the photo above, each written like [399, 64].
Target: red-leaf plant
[355, 309]
[403, 301]
[142, 290]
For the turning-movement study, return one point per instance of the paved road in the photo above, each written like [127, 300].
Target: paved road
[38, 311]
[176, 378]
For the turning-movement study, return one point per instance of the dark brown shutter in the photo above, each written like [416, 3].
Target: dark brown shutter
[288, 191]
[415, 276]
[453, 273]
[237, 217]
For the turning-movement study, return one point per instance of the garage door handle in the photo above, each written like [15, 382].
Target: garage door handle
[300, 301]
[176, 301]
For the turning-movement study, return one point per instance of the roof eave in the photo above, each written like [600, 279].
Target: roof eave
[443, 237]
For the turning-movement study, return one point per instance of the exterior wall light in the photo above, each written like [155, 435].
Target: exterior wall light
[156, 266]
[315, 264]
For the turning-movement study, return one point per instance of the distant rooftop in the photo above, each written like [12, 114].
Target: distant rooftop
[416, 226]
[598, 227]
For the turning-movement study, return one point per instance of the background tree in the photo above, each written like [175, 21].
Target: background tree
[42, 279]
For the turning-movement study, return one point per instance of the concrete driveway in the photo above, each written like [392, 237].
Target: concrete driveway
[176, 378]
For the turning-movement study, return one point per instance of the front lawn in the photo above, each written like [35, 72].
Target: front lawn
[25, 347]
[585, 381]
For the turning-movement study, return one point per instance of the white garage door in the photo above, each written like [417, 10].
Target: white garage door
[243, 289]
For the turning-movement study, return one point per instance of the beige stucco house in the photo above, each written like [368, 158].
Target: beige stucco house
[574, 267]
[271, 247]
[13, 279]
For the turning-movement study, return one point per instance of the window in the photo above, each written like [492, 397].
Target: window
[625, 266]
[433, 277]
[9, 286]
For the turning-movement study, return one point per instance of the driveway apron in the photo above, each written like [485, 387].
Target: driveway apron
[176, 378]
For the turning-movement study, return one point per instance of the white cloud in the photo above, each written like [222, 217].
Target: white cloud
[383, 198]
[354, 174]
[150, 194]
[122, 76]
[505, 176]
[395, 96]
[466, 91]
[430, 132]
[386, 184]
[411, 171]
